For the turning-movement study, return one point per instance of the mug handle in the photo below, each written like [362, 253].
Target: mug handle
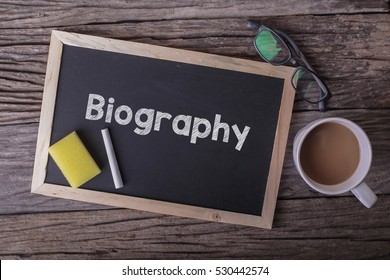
[365, 195]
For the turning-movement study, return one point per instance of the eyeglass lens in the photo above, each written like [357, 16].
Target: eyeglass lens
[271, 47]
[307, 85]
[274, 50]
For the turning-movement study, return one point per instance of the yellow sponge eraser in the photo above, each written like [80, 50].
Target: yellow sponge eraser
[74, 160]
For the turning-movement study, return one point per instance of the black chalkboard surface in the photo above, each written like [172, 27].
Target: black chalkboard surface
[185, 134]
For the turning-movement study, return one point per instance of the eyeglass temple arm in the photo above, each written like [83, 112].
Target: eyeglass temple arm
[296, 49]
[321, 104]
[252, 25]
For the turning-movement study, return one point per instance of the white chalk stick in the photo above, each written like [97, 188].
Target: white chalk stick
[116, 175]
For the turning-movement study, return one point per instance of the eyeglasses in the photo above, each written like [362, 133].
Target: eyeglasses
[276, 47]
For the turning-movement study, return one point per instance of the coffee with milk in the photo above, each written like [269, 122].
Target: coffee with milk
[330, 154]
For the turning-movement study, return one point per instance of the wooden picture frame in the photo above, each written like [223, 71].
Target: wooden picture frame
[58, 39]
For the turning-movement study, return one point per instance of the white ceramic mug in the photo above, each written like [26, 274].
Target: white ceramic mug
[355, 182]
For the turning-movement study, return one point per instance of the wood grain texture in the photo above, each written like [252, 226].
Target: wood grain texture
[18, 148]
[346, 41]
[38, 13]
[303, 229]
[47, 112]
[348, 51]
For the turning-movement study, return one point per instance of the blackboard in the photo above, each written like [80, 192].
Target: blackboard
[195, 135]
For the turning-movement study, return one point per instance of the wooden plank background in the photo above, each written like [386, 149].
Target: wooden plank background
[346, 41]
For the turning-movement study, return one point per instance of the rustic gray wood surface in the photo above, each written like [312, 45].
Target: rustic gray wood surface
[347, 42]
